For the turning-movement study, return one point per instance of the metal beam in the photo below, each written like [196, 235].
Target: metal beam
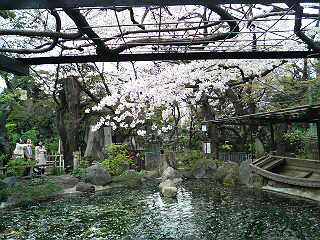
[13, 66]
[168, 56]
[41, 4]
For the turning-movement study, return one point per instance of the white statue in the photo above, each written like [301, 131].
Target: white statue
[40, 154]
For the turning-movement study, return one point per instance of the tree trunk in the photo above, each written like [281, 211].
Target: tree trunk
[68, 118]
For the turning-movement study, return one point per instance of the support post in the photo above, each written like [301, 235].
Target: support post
[318, 138]
[273, 146]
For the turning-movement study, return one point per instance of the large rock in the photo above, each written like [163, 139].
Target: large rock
[168, 188]
[248, 178]
[204, 169]
[169, 173]
[85, 187]
[227, 168]
[65, 181]
[97, 175]
[245, 172]
[10, 181]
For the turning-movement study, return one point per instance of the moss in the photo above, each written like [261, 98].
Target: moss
[130, 179]
[32, 190]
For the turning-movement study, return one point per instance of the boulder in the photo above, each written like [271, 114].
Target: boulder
[97, 175]
[168, 188]
[204, 169]
[186, 174]
[245, 172]
[65, 181]
[3, 185]
[10, 181]
[169, 173]
[85, 187]
[170, 192]
[228, 168]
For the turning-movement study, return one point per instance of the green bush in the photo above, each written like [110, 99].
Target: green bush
[79, 173]
[18, 166]
[130, 179]
[189, 158]
[117, 160]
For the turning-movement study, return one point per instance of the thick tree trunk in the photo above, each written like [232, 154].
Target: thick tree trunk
[212, 129]
[68, 117]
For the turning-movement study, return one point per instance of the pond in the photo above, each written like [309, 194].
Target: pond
[202, 210]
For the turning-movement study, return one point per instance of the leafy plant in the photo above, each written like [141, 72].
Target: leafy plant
[189, 158]
[117, 160]
[18, 166]
[79, 173]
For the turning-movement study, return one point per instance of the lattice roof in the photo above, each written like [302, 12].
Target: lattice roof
[105, 30]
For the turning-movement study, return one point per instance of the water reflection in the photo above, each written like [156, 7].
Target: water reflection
[201, 211]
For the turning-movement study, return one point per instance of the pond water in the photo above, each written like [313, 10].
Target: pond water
[202, 210]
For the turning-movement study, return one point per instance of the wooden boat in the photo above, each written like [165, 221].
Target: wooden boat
[293, 171]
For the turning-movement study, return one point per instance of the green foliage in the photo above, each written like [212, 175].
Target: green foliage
[226, 147]
[7, 14]
[130, 179]
[12, 134]
[189, 158]
[295, 140]
[34, 190]
[79, 173]
[32, 134]
[18, 166]
[117, 160]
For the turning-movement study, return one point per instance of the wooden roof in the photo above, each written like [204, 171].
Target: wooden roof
[305, 113]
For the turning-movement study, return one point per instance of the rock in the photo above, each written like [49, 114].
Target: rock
[151, 174]
[186, 174]
[229, 180]
[256, 181]
[10, 181]
[245, 173]
[169, 173]
[3, 185]
[85, 187]
[228, 168]
[65, 181]
[169, 192]
[204, 169]
[97, 175]
[168, 188]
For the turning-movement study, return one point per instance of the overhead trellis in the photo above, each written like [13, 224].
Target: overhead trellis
[140, 30]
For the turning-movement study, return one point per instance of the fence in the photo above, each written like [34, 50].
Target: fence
[234, 156]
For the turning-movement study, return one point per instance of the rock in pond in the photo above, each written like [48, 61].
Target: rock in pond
[97, 175]
[85, 187]
[10, 181]
[65, 181]
[169, 173]
[168, 188]
[204, 169]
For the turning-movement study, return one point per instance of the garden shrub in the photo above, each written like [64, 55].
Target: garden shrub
[130, 179]
[18, 166]
[79, 173]
[189, 158]
[117, 160]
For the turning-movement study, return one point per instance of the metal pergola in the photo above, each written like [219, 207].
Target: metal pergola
[234, 32]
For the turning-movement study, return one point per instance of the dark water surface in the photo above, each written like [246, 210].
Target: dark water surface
[202, 211]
